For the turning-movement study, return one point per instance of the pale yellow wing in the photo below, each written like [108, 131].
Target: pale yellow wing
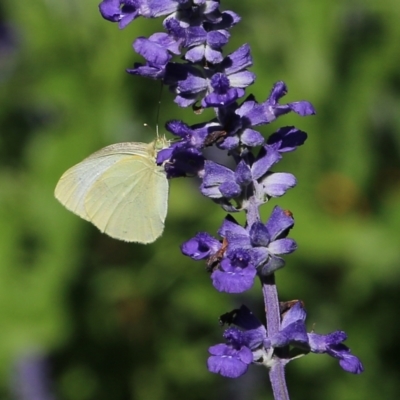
[74, 184]
[132, 187]
[129, 202]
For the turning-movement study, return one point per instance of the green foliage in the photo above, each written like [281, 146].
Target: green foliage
[124, 321]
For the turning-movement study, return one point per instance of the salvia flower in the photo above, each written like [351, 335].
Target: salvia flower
[332, 345]
[125, 11]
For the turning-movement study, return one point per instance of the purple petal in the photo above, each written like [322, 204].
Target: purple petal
[230, 143]
[302, 108]
[217, 100]
[277, 92]
[245, 319]
[251, 138]
[294, 314]
[201, 246]
[276, 184]
[295, 332]
[111, 10]
[242, 79]
[243, 174]
[220, 83]
[217, 39]
[282, 246]
[185, 100]
[153, 52]
[259, 255]
[234, 282]
[213, 56]
[230, 225]
[259, 235]
[273, 264]
[266, 158]
[238, 60]
[215, 174]
[229, 362]
[230, 189]
[148, 71]
[287, 139]
[195, 54]
[157, 8]
[351, 364]
[279, 222]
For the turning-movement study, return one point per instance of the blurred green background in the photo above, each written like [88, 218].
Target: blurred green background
[116, 321]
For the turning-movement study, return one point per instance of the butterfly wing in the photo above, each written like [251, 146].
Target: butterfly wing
[119, 189]
[129, 201]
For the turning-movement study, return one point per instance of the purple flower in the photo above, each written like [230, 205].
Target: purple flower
[286, 139]
[157, 51]
[235, 274]
[233, 358]
[332, 344]
[221, 183]
[251, 177]
[292, 330]
[228, 361]
[125, 11]
[200, 247]
[229, 83]
[264, 242]
[268, 111]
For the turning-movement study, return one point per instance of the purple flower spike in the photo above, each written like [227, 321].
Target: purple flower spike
[332, 345]
[204, 77]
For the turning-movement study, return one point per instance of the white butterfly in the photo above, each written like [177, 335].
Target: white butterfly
[120, 189]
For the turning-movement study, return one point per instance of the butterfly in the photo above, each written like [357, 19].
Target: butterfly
[120, 189]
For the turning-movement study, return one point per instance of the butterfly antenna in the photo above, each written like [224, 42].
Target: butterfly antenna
[158, 109]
